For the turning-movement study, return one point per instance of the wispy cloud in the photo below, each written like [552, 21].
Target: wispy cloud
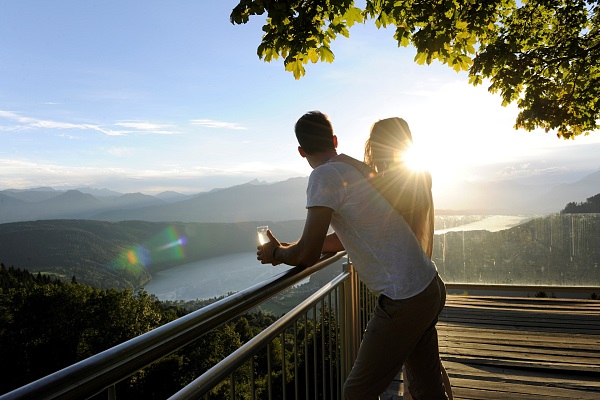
[21, 122]
[528, 170]
[209, 123]
[119, 151]
[35, 123]
[141, 127]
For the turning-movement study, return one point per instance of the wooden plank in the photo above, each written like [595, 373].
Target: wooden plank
[490, 372]
[526, 325]
[494, 394]
[514, 361]
[574, 312]
[527, 301]
[568, 343]
[454, 330]
[559, 355]
[522, 338]
[522, 317]
[565, 312]
[466, 312]
[520, 390]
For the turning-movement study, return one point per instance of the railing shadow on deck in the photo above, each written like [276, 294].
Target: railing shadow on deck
[102, 371]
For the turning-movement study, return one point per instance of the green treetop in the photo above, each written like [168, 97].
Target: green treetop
[543, 54]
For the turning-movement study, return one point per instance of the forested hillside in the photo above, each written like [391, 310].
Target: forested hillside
[46, 325]
[121, 255]
[559, 249]
[591, 205]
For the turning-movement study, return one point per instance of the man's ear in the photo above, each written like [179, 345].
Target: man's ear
[302, 153]
[335, 144]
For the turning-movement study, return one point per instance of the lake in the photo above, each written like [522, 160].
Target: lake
[212, 277]
[217, 276]
[491, 223]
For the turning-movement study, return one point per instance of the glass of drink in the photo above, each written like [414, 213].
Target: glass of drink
[262, 234]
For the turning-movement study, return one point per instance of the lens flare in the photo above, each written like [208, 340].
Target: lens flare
[179, 242]
[132, 257]
[166, 246]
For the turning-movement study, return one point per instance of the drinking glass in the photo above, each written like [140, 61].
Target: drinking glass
[262, 234]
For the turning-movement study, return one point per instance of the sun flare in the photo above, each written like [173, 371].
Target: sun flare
[421, 158]
[415, 158]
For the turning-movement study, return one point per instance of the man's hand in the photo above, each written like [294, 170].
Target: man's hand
[265, 251]
[306, 251]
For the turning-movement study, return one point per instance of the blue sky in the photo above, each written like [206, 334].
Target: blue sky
[147, 96]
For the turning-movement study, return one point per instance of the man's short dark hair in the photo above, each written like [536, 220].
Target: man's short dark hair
[314, 133]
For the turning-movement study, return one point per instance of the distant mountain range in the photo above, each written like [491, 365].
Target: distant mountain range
[514, 197]
[280, 201]
[253, 201]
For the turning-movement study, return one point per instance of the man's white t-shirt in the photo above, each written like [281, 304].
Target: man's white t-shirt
[381, 245]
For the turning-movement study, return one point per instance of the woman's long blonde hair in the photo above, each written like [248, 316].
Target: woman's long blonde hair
[407, 190]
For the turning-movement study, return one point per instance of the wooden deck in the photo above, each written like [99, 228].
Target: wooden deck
[519, 348]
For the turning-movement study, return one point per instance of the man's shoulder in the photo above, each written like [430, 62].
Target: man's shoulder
[344, 158]
[333, 173]
[334, 167]
[325, 170]
[348, 162]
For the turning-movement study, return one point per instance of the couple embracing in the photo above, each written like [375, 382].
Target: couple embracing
[381, 213]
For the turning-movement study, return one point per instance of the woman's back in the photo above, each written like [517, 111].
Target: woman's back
[407, 190]
[410, 194]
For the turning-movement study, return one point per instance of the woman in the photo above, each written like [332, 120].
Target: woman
[407, 190]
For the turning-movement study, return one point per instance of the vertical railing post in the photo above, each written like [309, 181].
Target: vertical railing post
[111, 392]
[358, 326]
[349, 313]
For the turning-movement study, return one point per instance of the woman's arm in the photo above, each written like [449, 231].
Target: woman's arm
[332, 244]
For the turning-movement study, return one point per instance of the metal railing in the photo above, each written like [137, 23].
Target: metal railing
[338, 311]
[102, 371]
[309, 351]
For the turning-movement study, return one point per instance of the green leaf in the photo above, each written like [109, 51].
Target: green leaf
[461, 25]
[313, 55]
[456, 66]
[296, 68]
[353, 15]
[421, 58]
[475, 80]
[326, 54]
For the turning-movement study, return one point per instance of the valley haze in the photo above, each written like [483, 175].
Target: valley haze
[279, 201]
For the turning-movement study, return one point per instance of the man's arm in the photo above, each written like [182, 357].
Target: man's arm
[306, 251]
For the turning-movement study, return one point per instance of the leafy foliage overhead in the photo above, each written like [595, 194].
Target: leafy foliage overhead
[543, 54]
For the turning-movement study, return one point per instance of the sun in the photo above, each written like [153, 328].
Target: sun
[415, 158]
[434, 160]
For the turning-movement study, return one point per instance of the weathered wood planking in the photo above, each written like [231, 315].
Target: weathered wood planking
[519, 348]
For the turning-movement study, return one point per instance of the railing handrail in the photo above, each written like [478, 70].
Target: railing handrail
[94, 374]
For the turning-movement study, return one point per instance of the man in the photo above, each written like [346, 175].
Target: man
[387, 257]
